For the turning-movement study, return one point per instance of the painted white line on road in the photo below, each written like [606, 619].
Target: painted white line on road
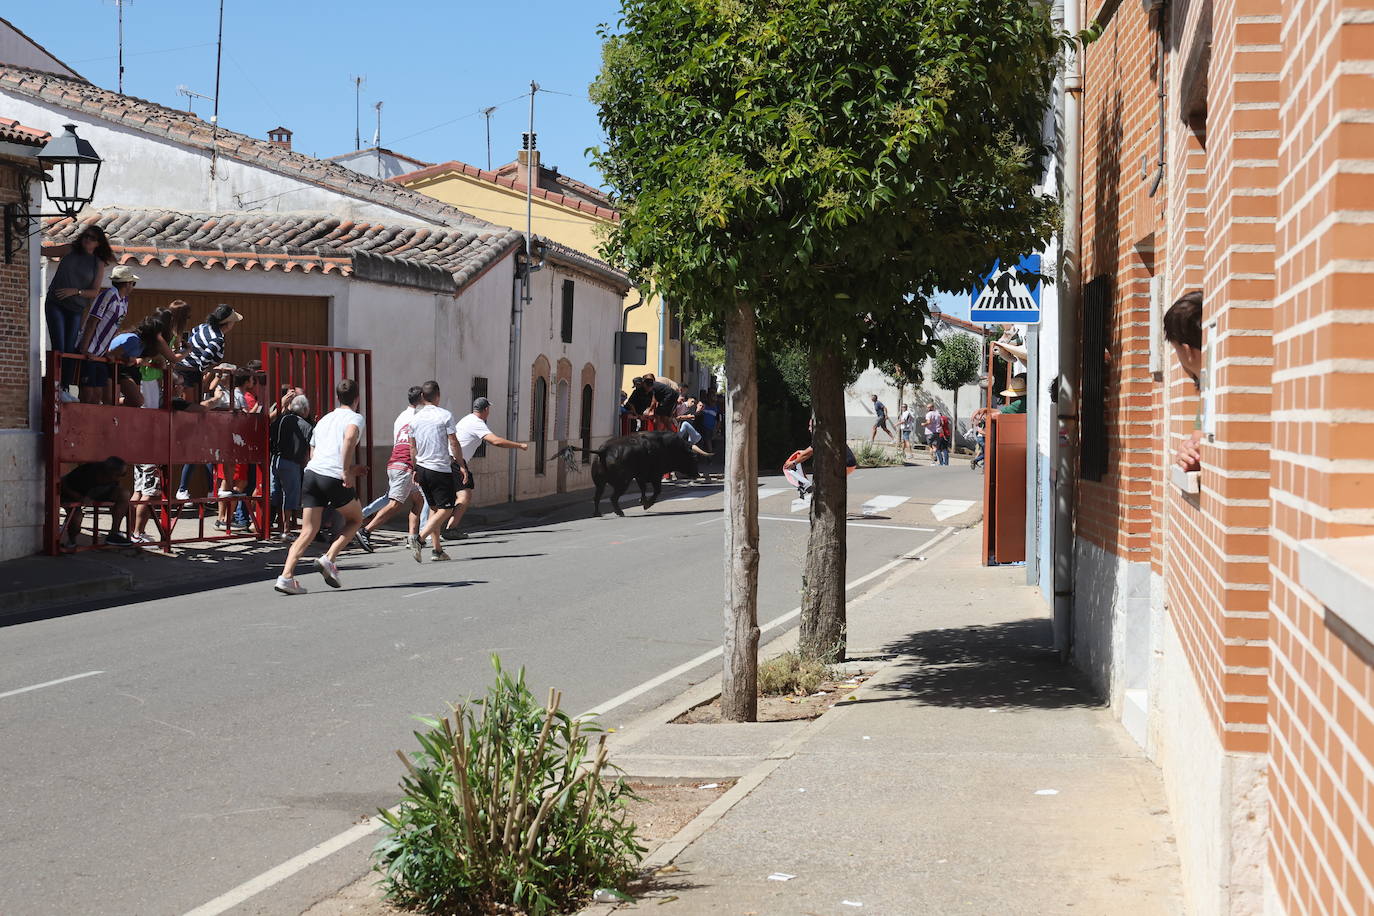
[948, 508]
[61, 680]
[254, 886]
[882, 504]
[799, 504]
[807, 521]
[766, 492]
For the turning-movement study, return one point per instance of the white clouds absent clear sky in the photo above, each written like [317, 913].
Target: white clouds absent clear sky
[433, 65]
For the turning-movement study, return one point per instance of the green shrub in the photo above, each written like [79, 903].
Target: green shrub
[504, 805]
[789, 673]
[872, 455]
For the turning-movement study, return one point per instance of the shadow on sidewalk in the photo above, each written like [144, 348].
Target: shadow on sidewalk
[1010, 664]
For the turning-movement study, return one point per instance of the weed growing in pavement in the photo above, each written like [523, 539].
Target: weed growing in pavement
[504, 806]
[872, 455]
[789, 673]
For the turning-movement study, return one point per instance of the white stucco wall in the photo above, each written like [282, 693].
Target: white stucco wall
[858, 408]
[143, 170]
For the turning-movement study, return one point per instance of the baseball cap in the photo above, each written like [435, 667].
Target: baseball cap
[480, 404]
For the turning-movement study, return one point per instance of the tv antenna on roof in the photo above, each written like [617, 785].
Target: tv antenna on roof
[119, 10]
[192, 94]
[486, 113]
[358, 110]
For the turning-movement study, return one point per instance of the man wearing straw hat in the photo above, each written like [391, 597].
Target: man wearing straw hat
[1015, 393]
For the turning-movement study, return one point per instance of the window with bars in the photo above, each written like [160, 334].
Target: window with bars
[1092, 404]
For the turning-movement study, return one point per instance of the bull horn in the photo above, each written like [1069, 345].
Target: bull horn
[698, 450]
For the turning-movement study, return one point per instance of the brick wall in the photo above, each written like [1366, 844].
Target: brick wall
[1321, 779]
[14, 319]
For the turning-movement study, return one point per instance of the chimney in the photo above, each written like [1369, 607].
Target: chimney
[279, 136]
[528, 160]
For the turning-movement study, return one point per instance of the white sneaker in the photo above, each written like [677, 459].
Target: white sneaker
[437, 555]
[329, 571]
[289, 586]
[65, 396]
[225, 494]
[417, 549]
[183, 494]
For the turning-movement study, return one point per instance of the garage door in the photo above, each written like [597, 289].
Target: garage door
[286, 319]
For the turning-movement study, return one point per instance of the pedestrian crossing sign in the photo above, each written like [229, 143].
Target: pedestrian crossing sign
[1008, 295]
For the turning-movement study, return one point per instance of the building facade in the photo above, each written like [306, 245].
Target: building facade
[1228, 613]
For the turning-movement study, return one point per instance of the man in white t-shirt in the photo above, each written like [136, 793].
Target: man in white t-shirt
[906, 426]
[472, 432]
[328, 484]
[402, 490]
[438, 464]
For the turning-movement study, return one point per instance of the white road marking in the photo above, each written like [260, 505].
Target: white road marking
[799, 504]
[807, 521]
[948, 508]
[61, 680]
[883, 503]
[254, 886]
[766, 492]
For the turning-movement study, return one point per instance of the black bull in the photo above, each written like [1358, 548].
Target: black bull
[643, 458]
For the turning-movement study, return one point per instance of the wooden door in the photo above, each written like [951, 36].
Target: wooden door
[285, 319]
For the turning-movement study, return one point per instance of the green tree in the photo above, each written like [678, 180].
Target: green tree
[803, 169]
[957, 363]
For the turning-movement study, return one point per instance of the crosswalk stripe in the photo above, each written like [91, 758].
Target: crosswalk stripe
[800, 505]
[948, 508]
[772, 491]
[883, 503]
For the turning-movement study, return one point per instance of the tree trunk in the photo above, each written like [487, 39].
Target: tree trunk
[823, 603]
[739, 695]
[954, 423]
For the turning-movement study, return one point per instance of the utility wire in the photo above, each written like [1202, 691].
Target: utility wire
[473, 114]
[88, 60]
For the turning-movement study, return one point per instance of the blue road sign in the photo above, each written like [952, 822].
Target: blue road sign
[1005, 298]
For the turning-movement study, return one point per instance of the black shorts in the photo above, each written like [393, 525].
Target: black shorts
[458, 479]
[440, 487]
[321, 492]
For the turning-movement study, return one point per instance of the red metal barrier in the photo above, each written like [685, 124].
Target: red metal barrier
[316, 370]
[644, 423]
[76, 433]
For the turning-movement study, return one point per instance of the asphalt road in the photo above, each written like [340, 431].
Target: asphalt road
[229, 730]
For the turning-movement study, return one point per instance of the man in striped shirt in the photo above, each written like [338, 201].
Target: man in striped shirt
[103, 319]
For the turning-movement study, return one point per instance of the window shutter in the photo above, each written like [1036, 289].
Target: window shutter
[1092, 410]
[567, 311]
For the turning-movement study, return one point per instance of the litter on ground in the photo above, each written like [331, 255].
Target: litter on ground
[1046, 791]
[780, 876]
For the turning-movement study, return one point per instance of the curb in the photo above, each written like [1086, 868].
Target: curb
[66, 592]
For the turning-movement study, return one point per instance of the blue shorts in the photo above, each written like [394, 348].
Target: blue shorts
[286, 483]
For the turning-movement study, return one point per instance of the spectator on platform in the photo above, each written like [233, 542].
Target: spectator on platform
[1015, 395]
[664, 396]
[102, 322]
[205, 346]
[75, 284]
[91, 483]
[1183, 329]
[289, 441]
[637, 404]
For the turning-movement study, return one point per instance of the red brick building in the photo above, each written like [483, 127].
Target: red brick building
[1228, 146]
[20, 467]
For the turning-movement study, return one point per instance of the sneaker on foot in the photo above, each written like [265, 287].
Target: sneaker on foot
[183, 494]
[417, 548]
[329, 571]
[364, 540]
[118, 539]
[437, 555]
[289, 586]
[453, 534]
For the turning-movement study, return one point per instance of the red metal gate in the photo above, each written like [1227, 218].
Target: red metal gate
[315, 371]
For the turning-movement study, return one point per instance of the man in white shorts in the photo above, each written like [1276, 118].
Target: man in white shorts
[438, 464]
[402, 491]
[328, 485]
[472, 431]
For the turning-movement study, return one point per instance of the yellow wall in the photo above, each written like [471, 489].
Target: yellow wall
[574, 228]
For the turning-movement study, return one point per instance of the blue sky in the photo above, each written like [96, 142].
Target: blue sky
[433, 65]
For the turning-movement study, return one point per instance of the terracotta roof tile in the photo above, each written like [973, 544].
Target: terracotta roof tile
[186, 128]
[306, 242]
[11, 131]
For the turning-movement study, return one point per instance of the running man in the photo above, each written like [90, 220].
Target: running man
[880, 420]
[438, 465]
[327, 485]
[401, 489]
[472, 431]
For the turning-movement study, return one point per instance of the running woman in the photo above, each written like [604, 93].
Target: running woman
[327, 485]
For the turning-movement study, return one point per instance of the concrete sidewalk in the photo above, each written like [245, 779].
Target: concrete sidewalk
[972, 774]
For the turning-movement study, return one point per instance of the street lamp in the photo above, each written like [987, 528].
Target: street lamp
[71, 186]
